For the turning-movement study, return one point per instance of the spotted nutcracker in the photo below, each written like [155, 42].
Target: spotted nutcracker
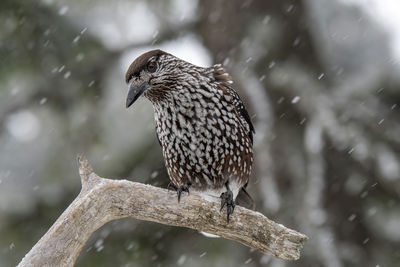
[203, 127]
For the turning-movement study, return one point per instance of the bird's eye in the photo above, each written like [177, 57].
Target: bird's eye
[152, 67]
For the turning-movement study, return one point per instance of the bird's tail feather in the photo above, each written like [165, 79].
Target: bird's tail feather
[245, 200]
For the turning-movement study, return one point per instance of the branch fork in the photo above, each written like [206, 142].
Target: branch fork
[102, 200]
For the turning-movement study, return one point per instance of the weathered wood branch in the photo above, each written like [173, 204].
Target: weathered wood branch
[102, 200]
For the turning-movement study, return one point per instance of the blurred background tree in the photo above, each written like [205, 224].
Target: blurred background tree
[321, 81]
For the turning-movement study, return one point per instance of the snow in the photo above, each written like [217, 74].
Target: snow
[129, 24]
[181, 260]
[63, 10]
[67, 75]
[61, 68]
[99, 245]
[76, 39]
[289, 8]
[266, 19]
[154, 174]
[271, 64]
[295, 99]
[43, 101]
[352, 217]
[131, 245]
[79, 57]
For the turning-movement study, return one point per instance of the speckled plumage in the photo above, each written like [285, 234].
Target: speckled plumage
[204, 129]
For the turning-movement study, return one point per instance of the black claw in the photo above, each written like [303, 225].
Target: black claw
[223, 202]
[229, 212]
[227, 199]
[179, 190]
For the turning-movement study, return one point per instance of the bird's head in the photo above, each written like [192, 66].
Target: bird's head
[148, 74]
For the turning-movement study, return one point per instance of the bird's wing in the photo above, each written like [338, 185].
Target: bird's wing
[225, 80]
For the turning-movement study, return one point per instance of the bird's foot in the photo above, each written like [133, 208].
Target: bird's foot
[227, 199]
[180, 189]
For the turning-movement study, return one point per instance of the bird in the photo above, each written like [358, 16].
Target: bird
[201, 123]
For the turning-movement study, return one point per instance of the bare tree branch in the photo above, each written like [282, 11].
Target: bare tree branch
[102, 200]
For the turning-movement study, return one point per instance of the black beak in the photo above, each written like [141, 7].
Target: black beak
[135, 90]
